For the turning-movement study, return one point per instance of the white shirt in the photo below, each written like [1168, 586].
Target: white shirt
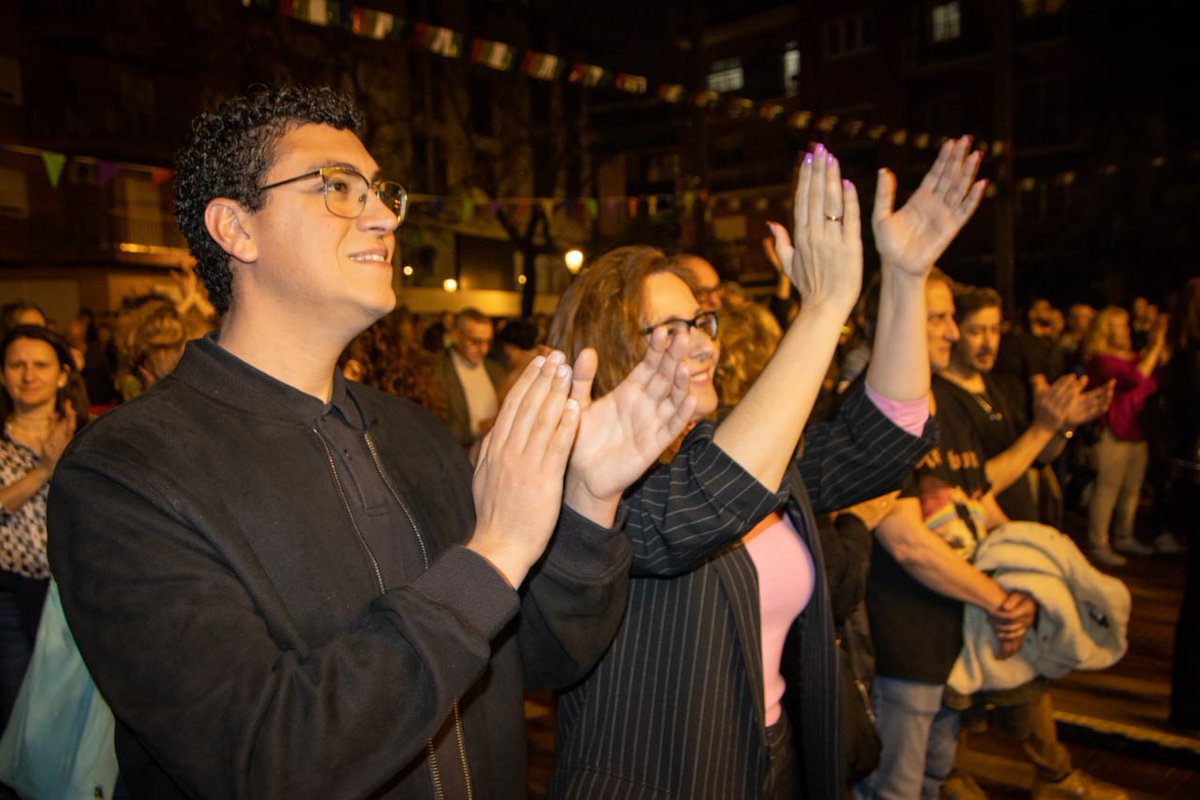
[482, 403]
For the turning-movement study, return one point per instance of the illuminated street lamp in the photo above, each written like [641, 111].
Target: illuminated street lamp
[450, 285]
[408, 270]
[574, 259]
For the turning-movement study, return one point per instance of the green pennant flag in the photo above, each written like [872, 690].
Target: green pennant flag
[54, 165]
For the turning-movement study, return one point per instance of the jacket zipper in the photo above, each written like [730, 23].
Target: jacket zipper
[458, 730]
[353, 522]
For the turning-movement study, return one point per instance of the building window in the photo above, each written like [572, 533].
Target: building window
[791, 69]
[848, 36]
[946, 21]
[1037, 8]
[725, 75]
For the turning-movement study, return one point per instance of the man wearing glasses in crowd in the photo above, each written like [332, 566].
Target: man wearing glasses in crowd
[287, 585]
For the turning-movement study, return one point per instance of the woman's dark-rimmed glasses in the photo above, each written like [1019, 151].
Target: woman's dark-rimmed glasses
[705, 321]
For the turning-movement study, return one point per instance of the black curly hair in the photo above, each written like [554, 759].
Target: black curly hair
[229, 152]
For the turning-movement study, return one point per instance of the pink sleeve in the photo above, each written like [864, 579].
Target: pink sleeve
[908, 415]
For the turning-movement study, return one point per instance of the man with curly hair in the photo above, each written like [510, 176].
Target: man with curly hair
[288, 585]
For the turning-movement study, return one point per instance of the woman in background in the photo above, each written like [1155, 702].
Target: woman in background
[1121, 451]
[37, 426]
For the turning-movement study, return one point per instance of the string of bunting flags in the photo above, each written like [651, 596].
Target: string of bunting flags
[467, 207]
[504, 57]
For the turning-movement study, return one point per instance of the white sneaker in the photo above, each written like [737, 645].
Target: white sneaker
[1168, 544]
[1105, 557]
[1132, 547]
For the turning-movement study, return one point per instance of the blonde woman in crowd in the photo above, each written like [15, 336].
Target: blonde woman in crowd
[1121, 451]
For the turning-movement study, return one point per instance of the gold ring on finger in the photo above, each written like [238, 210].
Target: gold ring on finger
[833, 217]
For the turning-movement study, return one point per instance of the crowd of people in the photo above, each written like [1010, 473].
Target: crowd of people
[759, 549]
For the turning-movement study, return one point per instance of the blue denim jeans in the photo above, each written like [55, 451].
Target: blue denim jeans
[920, 737]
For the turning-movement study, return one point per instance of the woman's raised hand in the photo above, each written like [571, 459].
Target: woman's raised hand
[825, 262]
[914, 238]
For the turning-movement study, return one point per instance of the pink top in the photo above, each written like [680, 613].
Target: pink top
[1129, 394]
[908, 415]
[785, 585]
[785, 566]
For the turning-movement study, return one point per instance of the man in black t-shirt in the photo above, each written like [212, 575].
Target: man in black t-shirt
[920, 578]
[997, 407]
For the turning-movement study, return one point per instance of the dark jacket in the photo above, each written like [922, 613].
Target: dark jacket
[229, 612]
[458, 418]
[675, 708]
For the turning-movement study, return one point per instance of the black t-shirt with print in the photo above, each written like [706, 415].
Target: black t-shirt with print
[1000, 415]
[918, 632]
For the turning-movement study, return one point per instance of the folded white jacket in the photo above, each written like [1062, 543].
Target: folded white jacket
[1083, 614]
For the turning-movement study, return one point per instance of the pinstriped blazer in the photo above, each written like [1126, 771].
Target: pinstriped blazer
[675, 707]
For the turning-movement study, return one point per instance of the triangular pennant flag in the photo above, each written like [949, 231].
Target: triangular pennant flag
[548, 208]
[593, 207]
[54, 165]
[315, 13]
[159, 175]
[652, 205]
[494, 207]
[739, 106]
[436, 39]
[689, 202]
[770, 111]
[468, 207]
[496, 55]
[633, 206]
[107, 171]
[826, 123]
[634, 84]
[799, 119]
[542, 66]
[589, 74]
[611, 203]
[371, 23]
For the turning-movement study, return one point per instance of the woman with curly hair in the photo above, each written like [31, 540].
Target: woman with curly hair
[722, 679]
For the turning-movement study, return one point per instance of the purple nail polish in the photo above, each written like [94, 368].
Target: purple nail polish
[808, 159]
[829, 159]
[820, 148]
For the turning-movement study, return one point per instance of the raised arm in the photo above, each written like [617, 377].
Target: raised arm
[910, 241]
[825, 264]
